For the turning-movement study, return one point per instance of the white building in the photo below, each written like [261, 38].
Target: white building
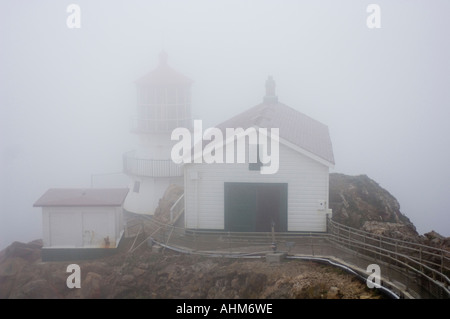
[81, 223]
[163, 104]
[237, 197]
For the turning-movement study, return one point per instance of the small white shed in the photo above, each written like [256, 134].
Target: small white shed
[81, 223]
[237, 197]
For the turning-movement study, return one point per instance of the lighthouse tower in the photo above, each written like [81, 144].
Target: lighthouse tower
[163, 104]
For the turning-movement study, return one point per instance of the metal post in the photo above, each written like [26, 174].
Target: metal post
[420, 259]
[349, 233]
[195, 240]
[396, 252]
[379, 252]
[274, 244]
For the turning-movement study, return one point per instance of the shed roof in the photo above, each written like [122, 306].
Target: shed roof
[82, 197]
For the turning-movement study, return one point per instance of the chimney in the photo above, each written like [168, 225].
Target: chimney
[163, 58]
[270, 97]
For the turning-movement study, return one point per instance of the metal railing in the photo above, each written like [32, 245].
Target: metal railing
[225, 243]
[177, 209]
[417, 266]
[149, 125]
[431, 265]
[150, 167]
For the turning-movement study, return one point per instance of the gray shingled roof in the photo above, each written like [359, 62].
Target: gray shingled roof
[294, 127]
[82, 197]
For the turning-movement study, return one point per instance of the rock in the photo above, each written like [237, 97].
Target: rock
[235, 283]
[29, 252]
[392, 230]
[157, 248]
[143, 266]
[435, 239]
[91, 286]
[203, 266]
[36, 244]
[432, 235]
[138, 272]
[254, 284]
[172, 194]
[8, 271]
[37, 289]
[127, 280]
[333, 293]
[446, 243]
[95, 266]
[11, 266]
[356, 200]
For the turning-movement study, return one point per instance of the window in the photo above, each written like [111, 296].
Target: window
[171, 96]
[172, 112]
[254, 166]
[136, 187]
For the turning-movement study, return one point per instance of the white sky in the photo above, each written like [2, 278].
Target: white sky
[66, 95]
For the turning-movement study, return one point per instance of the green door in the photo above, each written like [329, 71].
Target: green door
[240, 207]
[254, 207]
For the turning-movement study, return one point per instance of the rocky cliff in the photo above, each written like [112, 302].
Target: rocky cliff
[146, 274]
[357, 201]
[360, 202]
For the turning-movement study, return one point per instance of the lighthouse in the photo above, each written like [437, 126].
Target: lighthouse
[163, 104]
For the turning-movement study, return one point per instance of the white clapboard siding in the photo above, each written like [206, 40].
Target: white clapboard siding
[307, 181]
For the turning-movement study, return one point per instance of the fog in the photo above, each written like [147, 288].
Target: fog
[66, 95]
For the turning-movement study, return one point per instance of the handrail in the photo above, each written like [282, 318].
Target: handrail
[403, 245]
[150, 167]
[172, 208]
[150, 125]
[377, 251]
[419, 265]
[355, 230]
[406, 258]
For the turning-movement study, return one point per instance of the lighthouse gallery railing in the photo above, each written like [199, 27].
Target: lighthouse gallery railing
[150, 167]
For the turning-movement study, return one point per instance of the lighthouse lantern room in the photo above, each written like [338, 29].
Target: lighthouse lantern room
[163, 104]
